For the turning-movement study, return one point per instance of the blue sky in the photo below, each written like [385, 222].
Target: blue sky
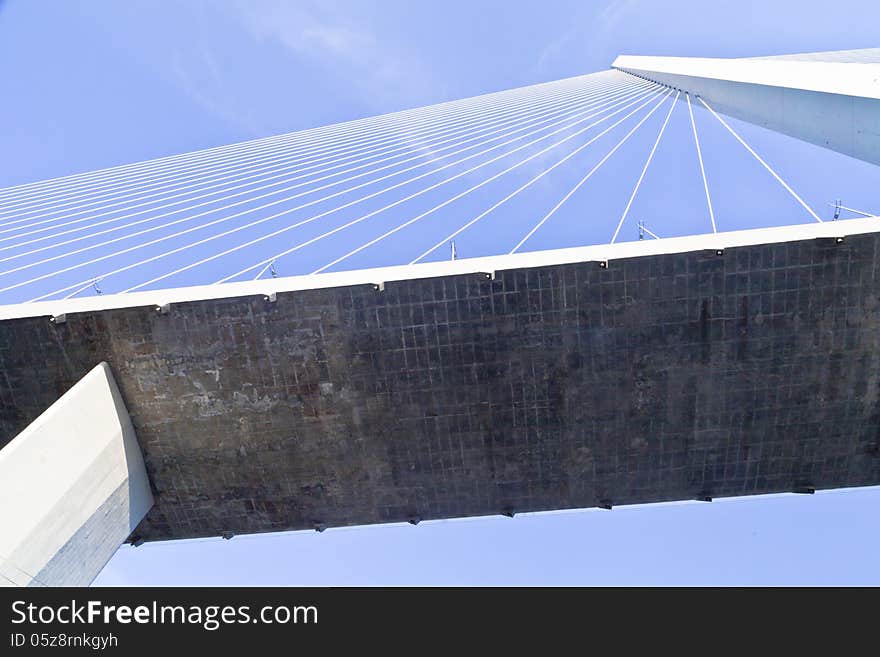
[91, 84]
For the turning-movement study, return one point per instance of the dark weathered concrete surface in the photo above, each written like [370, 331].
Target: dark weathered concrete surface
[660, 378]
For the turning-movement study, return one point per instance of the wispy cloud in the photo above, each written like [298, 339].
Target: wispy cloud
[322, 32]
[304, 43]
[304, 29]
[613, 13]
[588, 29]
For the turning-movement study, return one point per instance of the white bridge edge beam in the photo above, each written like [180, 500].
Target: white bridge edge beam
[832, 104]
[73, 487]
[162, 300]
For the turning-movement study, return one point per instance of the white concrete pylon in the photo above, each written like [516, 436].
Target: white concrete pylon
[73, 487]
[830, 99]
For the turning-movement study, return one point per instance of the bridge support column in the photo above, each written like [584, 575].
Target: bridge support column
[72, 488]
[822, 98]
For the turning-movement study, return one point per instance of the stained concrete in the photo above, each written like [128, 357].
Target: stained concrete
[661, 377]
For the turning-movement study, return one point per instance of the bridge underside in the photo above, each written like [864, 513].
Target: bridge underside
[661, 377]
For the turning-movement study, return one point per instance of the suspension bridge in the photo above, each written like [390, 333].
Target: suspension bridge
[487, 306]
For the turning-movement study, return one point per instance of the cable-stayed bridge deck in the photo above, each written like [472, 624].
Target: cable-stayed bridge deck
[729, 351]
[686, 368]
